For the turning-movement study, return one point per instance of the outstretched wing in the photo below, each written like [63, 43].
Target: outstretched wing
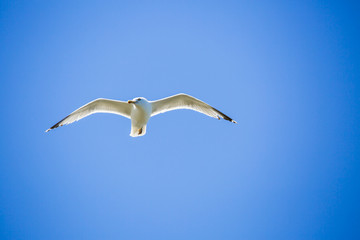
[97, 106]
[184, 101]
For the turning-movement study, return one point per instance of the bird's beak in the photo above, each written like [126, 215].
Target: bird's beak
[131, 101]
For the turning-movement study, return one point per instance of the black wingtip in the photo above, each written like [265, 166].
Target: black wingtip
[53, 127]
[224, 116]
[57, 124]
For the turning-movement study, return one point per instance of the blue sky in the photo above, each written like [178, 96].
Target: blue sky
[286, 71]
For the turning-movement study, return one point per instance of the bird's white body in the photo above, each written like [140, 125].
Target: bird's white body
[139, 110]
[140, 115]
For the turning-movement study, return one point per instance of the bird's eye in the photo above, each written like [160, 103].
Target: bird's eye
[139, 99]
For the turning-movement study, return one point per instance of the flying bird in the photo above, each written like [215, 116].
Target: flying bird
[139, 110]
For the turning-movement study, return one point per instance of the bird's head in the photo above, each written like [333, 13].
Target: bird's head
[142, 103]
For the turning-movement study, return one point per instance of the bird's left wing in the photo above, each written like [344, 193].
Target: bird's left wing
[184, 101]
[97, 106]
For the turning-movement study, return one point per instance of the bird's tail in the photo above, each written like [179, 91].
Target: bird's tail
[137, 132]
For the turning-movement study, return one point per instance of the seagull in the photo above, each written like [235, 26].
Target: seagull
[139, 110]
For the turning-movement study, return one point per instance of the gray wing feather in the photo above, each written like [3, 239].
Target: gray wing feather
[97, 106]
[184, 101]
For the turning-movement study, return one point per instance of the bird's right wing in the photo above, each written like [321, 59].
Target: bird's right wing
[97, 106]
[184, 101]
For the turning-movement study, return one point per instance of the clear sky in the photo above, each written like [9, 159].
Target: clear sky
[286, 71]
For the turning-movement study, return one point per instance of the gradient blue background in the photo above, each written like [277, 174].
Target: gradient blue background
[287, 71]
